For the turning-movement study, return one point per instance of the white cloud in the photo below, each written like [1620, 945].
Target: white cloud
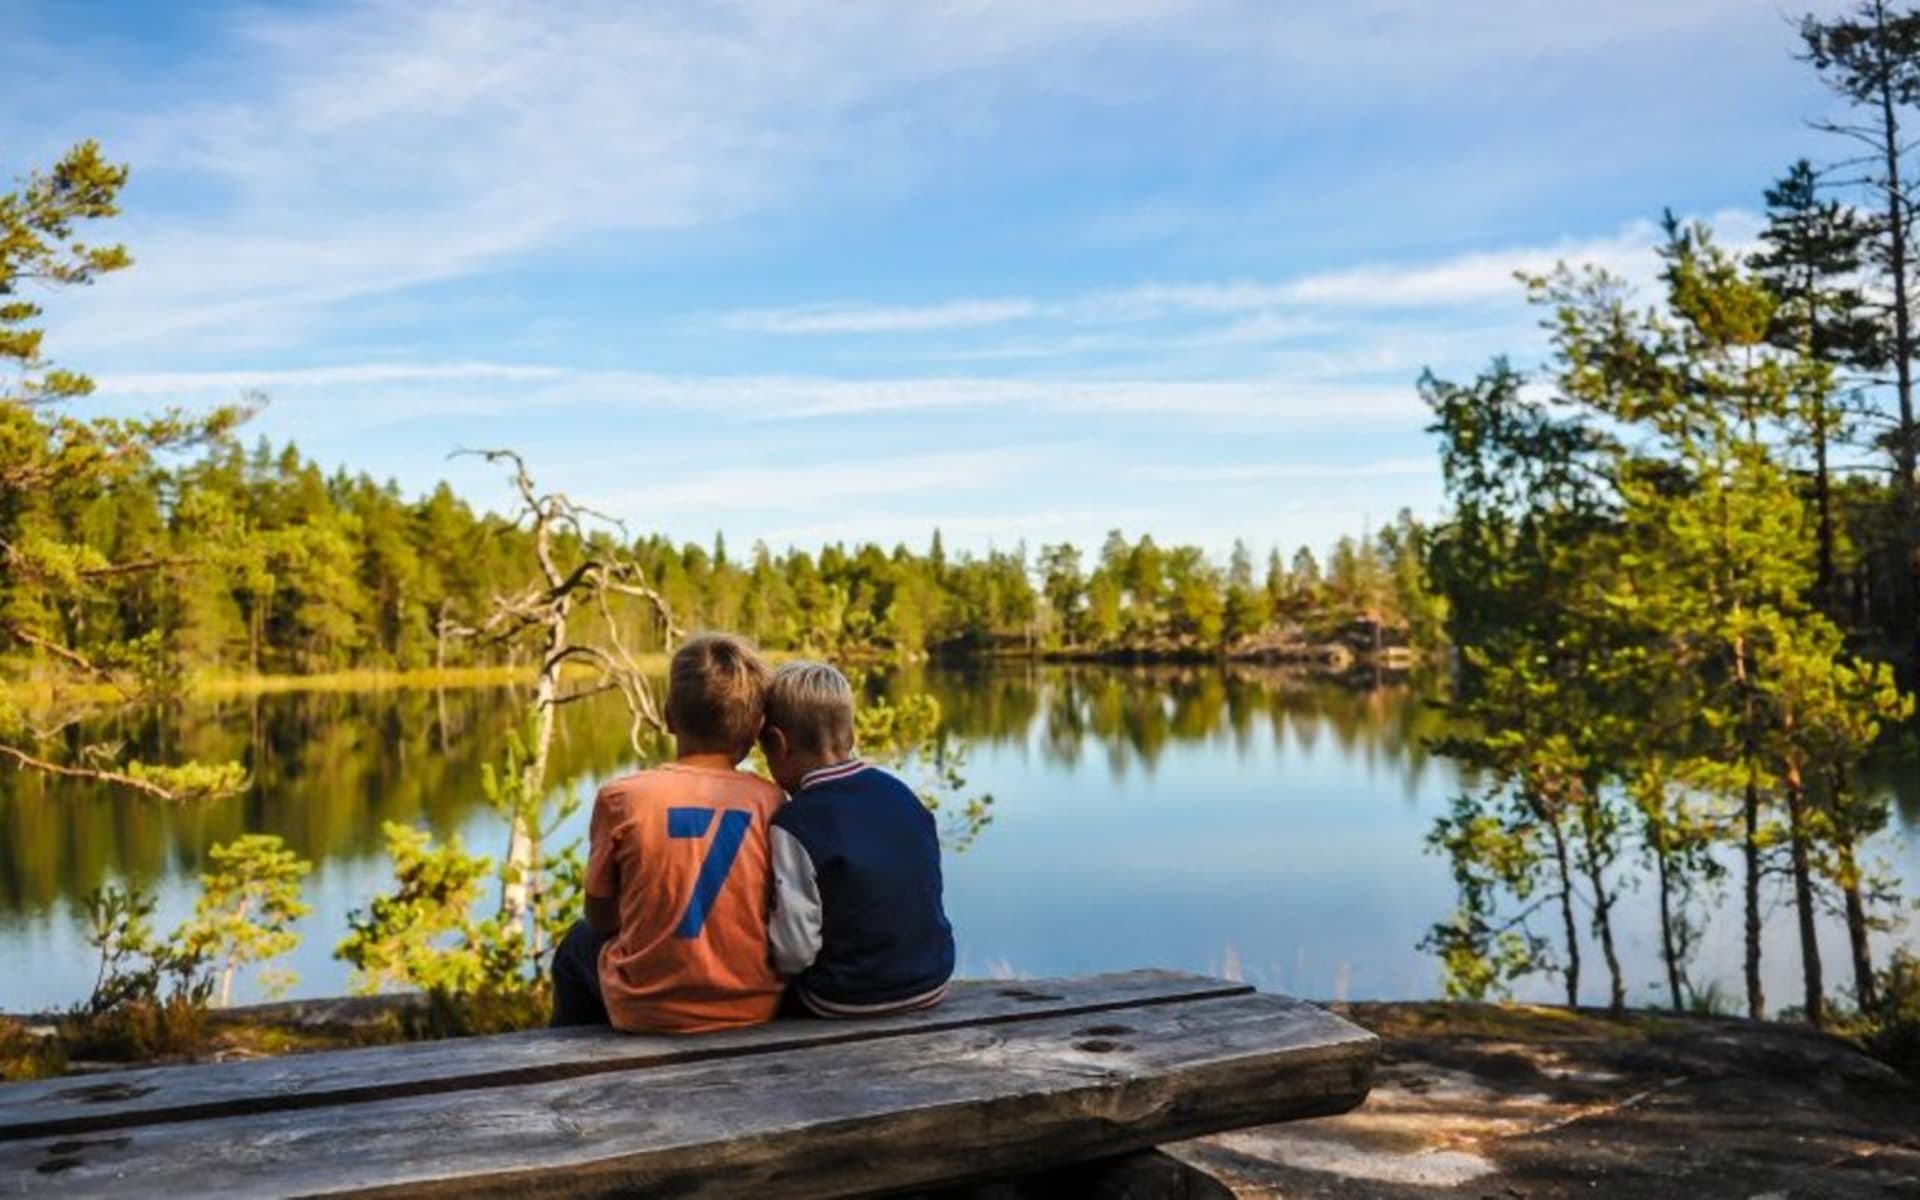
[377, 394]
[378, 145]
[1281, 309]
[342, 151]
[865, 318]
[191, 383]
[1292, 472]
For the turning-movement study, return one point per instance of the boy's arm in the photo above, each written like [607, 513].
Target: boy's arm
[602, 882]
[603, 915]
[794, 929]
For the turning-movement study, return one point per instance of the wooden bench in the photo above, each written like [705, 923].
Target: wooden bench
[1003, 1078]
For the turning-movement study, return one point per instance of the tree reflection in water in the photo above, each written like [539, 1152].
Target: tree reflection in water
[328, 768]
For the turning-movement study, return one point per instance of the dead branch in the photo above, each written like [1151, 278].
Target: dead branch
[95, 774]
[72, 658]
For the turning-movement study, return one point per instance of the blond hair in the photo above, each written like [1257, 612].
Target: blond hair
[813, 705]
[716, 694]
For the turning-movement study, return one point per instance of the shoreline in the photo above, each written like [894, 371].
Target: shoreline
[1312, 660]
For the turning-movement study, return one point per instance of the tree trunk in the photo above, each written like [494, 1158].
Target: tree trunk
[1823, 504]
[1669, 947]
[1849, 880]
[1750, 853]
[1602, 901]
[1571, 927]
[1904, 447]
[1800, 838]
[255, 616]
[523, 848]
[439, 672]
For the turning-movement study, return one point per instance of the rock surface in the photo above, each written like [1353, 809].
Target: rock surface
[1521, 1102]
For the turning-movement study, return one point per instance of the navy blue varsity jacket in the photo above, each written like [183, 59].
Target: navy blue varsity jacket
[858, 923]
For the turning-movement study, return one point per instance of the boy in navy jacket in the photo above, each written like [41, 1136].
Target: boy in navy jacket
[858, 927]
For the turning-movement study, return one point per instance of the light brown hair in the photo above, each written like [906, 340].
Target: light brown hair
[716, 694]
[813, 705]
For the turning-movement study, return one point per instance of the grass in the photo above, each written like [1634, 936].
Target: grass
[26, 1055]
[222, 687]
[1509, 1021]
[31, 693]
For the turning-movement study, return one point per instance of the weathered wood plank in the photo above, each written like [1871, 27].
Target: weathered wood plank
[264, 1085]
[851, 1118]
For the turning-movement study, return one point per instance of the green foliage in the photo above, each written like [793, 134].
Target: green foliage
[1629, 572]
[247, 905]
[1893, 1024]
[82, 526]
[38, 244]
[424, 934]
[488, 1010]
[26, 1055]
[907, 735]
[1482, 950]
[151, 994]
[553, 882]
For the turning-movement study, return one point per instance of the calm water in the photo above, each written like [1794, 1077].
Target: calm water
[1241, 823]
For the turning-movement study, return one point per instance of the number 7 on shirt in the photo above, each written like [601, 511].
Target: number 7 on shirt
[721, 852]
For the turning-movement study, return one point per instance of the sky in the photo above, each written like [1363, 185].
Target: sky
[840, 270]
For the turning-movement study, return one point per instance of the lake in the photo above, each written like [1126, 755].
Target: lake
[1248, 823]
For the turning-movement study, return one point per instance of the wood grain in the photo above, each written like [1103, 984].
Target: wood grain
[853, 1117]
[124, 1098]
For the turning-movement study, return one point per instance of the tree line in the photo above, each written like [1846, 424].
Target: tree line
[1681, 571]
[274, 566]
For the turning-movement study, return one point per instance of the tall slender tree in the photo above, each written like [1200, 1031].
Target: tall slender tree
[1814, 250]
[1871, 59]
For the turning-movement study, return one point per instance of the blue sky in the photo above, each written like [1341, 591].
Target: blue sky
[814, 271]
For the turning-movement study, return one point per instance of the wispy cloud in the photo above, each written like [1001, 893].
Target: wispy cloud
[363, 148]
[1291, 472]
[194, 383]
[342, 151]
[379, 393]
[1280, 309]
[866, 318]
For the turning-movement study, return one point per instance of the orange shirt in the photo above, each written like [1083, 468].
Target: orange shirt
[683, 851]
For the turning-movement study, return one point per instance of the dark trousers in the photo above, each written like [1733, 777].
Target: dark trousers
[576, 978]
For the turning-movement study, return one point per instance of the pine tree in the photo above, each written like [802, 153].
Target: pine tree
[61, 585]
[1871, 59]
[1812, 262]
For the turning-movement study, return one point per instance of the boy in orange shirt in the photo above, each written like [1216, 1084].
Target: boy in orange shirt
[678, 883]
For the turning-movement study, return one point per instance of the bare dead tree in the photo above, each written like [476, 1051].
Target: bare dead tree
[577, 574]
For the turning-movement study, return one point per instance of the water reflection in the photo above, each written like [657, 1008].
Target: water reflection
[1131, 717]
[1243, 821]
[328, 768]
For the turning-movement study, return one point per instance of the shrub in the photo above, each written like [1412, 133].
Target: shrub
[151, 994]
[26, 1055]
[140, 1029]
[487, 1010]
[1893, 1026]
